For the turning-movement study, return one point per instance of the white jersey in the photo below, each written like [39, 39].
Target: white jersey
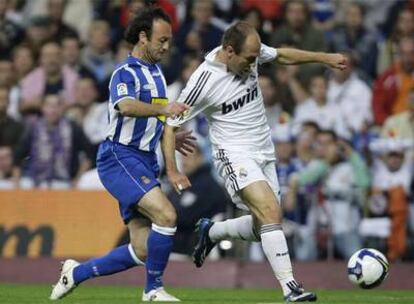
[233, 106]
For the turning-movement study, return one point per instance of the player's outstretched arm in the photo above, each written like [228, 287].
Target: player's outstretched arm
[178, 180]
[136, 108]
[295, 56]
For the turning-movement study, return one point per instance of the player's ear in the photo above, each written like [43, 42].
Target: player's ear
[143, 37]
[230, 51]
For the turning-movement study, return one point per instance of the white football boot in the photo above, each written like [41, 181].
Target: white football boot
[66, 284]
[158, 295]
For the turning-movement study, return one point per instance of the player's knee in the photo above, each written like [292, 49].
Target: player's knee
[268, 214]
[167, 218]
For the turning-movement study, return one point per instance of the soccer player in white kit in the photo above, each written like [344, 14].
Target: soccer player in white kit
[225, 88]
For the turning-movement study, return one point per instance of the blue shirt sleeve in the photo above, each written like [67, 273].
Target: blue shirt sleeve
[123, 85]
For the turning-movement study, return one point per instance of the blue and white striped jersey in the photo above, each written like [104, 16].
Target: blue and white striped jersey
[142, 81]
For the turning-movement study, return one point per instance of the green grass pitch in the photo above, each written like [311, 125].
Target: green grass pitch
[38, 294]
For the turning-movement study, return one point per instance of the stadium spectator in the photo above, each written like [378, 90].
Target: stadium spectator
[190, 64]
[6, 72]
[323, 16]
[284, 151]
[272, 107]
[53, 152]
[401, 125]
[347, 92]
[6, 167]
[300, 203]
[392, 177]
[23, 61]
[353, 37]
[391, 89]
[270, 10]
[10, 33]
[88, 113]
[343, 178]
[71, 51]
[254, 17]
[122, 50]
[52, 77]
[38, 32]
[388, 49]
[59, 29]
[10, 130]
[193, 203]
[199, 35]
[318, 110]
[289, 90]
[297, 31]
[97, 56]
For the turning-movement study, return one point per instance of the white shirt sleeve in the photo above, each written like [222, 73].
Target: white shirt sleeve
[267, 54]
[194, 94]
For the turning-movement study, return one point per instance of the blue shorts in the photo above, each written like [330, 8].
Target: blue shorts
[128, 174]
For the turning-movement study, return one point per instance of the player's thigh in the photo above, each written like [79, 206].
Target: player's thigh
[262, 202]
[156, 206]
[269, 171]
[138, 234]
[238, 171]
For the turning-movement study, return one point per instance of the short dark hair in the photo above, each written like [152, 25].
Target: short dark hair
[236, 35]
[330, 133]
[143, 21]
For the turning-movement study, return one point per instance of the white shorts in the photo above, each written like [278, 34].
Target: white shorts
[240, 170]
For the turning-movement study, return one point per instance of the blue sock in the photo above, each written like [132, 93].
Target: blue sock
[119, 259]
[159, 246]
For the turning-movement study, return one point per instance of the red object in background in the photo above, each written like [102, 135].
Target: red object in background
[270, 9]
[385, 91]
[166, 5]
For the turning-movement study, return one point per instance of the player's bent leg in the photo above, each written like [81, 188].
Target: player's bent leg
[262, 202]
[139, 229]
[161, 212]
[118, 260]
[210, 233]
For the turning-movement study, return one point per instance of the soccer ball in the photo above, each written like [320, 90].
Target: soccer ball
[367, 268]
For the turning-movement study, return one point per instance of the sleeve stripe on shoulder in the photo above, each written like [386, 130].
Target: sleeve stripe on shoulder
[199, 91]
[197, 88]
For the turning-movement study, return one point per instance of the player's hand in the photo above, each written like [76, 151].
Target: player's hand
[185, 142]
[337, 61]
[174, 109]
[179, 181]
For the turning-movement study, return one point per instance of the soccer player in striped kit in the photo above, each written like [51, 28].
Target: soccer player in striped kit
[127, 162]
[225, 89]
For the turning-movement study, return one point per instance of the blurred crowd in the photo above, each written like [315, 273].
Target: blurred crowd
[344, 139]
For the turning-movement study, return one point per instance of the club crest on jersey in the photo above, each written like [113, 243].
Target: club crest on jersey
[122, 89]
[148, 86]
[240, 102]
[242, 173]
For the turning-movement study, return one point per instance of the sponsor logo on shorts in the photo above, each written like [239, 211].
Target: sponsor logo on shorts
[145, 180]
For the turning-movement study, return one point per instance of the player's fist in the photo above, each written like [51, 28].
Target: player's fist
[174, 109]
[337, 61]
[179, 181]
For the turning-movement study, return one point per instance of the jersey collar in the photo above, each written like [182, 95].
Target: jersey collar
[210, 59]
[137, 61]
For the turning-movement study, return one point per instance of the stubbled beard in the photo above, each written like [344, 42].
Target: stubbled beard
[149, 58]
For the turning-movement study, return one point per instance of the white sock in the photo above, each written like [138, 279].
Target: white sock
[275, 248]
[237, 228]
